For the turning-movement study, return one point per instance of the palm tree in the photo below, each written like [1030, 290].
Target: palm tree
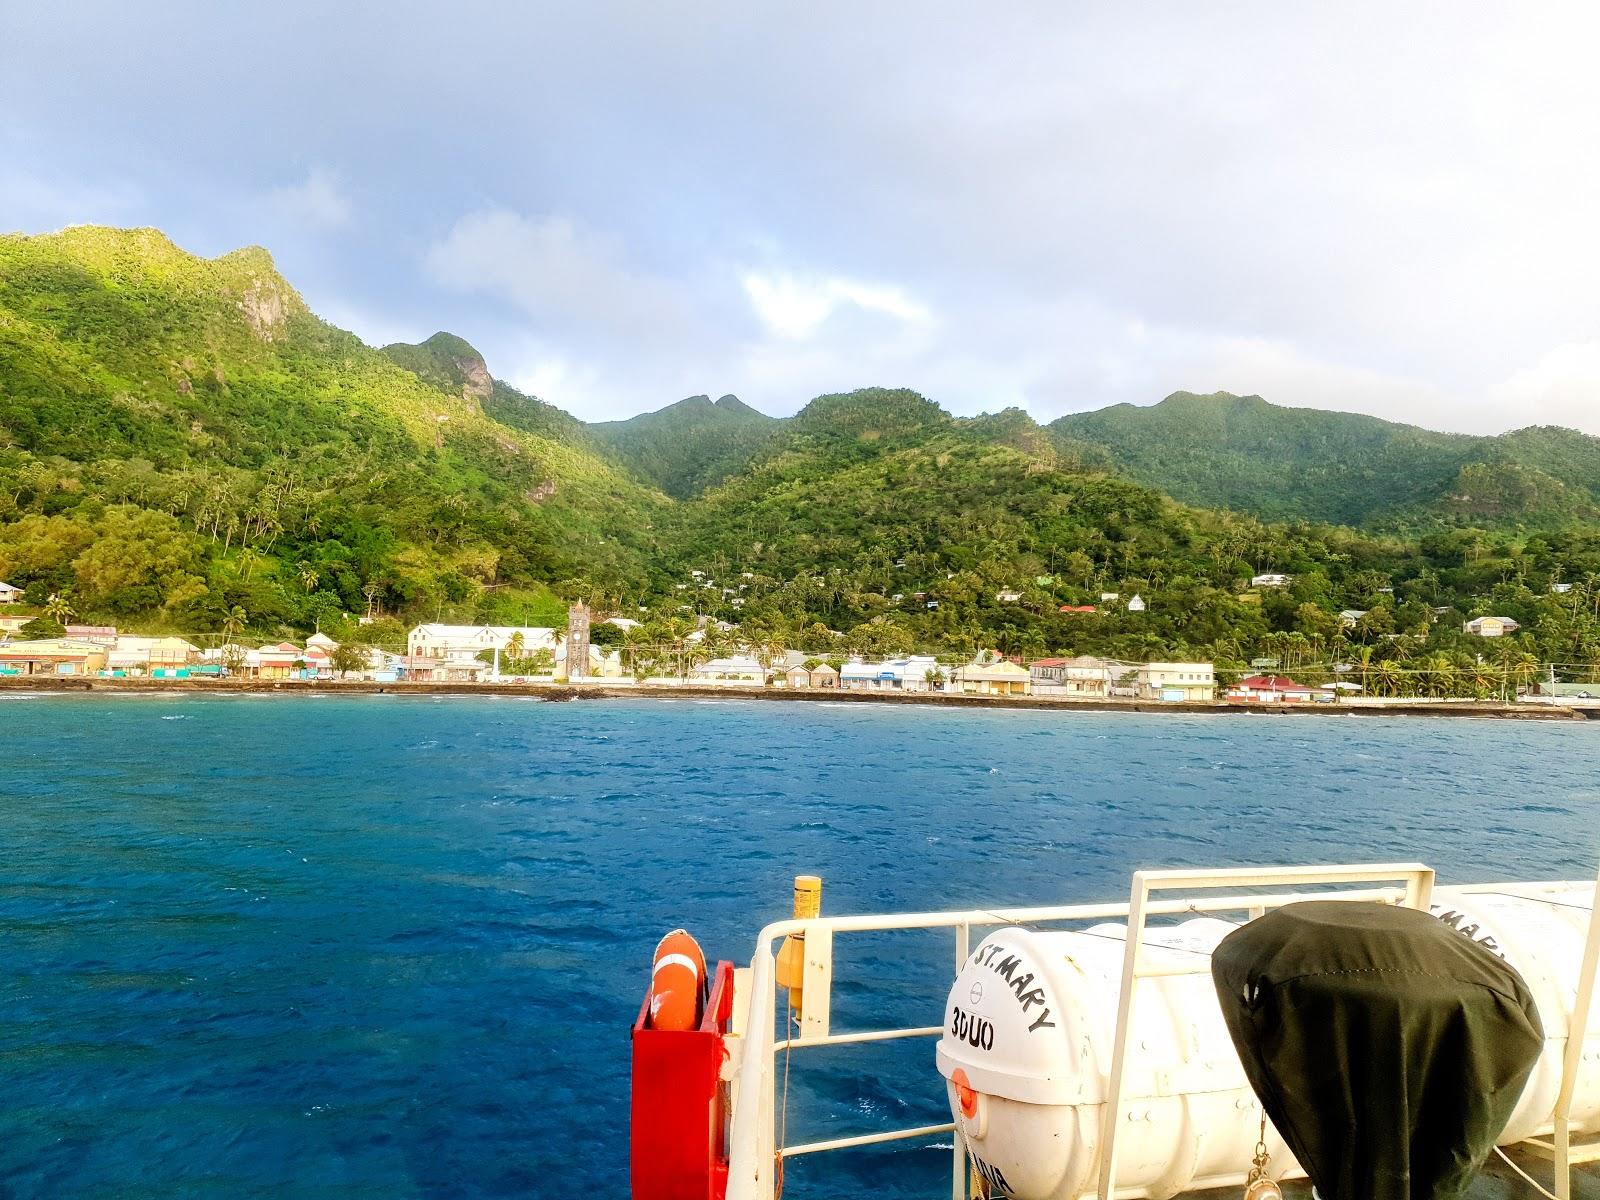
[233, 624]
[516, 644]
[59, 608]
[308, 576]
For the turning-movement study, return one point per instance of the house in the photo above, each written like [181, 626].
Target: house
[1106, 596]
[734, 669]
[449, 653]
[1076, 608]
[52, 656]
[820, 676]
[1560, 589]
[895, 675]
[9, 594]
[1490, 627]
[283, 660]
[1175, 681]
[1082, 676]
[993, 679]
[1270, 689]
[1008, 596]
[1269, 580]
[1136, 604]
[1349, 616]
[142, 655]
[13, 622]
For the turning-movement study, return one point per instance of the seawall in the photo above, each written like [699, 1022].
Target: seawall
[604, 691]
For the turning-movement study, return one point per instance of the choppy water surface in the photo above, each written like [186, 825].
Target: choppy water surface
[390, 947]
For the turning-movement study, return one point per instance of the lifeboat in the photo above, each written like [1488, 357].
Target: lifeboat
[1030, 1024]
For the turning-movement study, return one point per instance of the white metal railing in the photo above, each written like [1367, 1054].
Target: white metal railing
[755, 1157]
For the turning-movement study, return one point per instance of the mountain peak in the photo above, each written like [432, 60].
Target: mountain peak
[448, 362]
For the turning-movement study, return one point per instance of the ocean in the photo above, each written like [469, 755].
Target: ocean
[342, 947]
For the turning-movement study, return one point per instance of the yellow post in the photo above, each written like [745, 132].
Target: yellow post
[792, 954]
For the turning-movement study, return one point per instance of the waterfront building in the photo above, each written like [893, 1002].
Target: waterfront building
[1176, 681]
[284, 660]
[736, 668]
[894, 675]
[141, 655]
[820, 676]
[993, 679]
[1270, 689]
[450, 652]
[1083, 676]
[52, 656]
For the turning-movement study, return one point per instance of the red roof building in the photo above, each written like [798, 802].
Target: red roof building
[1269, 689]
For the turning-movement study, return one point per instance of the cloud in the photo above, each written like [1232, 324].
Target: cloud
[563, 275]
[317, 203]
[1561, 388]
[794, 308]
[985, 206]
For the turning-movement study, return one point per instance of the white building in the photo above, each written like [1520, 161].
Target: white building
[453, 641]
[734, 669]
[894, 675]
[9, 594]
[1176, 681]
[1269, 580]
[1136, 604]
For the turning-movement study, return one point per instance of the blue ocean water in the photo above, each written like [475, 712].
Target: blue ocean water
[341, 947]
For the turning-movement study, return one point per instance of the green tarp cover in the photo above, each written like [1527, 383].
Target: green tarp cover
[1388, 1049]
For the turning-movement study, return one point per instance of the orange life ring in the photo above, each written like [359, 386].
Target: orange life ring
[677, 983]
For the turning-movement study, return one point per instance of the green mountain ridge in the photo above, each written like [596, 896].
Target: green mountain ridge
[1281, 463]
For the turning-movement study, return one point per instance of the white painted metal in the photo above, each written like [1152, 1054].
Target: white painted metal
[753, 1141]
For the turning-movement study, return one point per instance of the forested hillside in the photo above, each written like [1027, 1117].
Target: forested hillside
[185, 447]
[180, 438]
[1280, 463]
[688, 446]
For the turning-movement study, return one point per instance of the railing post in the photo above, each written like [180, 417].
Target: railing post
[1572, 1061]
[817, 991]
[959, 1174]
[1109, 1122]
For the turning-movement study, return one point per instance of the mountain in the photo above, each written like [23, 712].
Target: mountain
[688, 446]
[181, 435]
[1243, 453]
[452, 364]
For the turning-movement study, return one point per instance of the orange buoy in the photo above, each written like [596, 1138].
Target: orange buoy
[677, 983]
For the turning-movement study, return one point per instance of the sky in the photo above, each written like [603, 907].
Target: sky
[1389, 209]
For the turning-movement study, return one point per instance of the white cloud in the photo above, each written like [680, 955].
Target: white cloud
[1561, 388]
[795, 308]
[564, 276]
[317, 203]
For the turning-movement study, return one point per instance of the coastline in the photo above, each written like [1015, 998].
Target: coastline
[607, 691]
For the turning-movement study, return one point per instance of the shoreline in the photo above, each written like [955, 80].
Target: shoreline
[605, 691]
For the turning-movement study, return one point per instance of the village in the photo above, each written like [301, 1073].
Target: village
[709, 656]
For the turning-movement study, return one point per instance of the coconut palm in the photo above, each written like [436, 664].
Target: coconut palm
[59, 608]
[233, 624]
[308, 576]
